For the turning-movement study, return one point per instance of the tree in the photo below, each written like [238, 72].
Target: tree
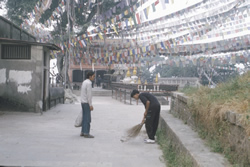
[79, 16]
[17, 10]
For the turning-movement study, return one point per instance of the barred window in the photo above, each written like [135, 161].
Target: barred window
[16, 52]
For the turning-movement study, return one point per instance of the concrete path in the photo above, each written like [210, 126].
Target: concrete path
[31, 139]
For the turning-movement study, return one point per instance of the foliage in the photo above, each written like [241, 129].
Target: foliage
[209, 108]
[236, 89]
[144, 72]
[17, 10]
[172, 71]
[187, 90]
[171, 155]
[221, 76]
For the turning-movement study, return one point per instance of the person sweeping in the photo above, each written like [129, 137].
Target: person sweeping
[151, 114]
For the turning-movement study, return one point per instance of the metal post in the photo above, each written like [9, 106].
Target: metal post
[130, 99]
[116, 94]
[120, 94]
[125, 96]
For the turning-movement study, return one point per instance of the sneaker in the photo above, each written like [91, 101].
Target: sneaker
[86, 136]
[149, 141]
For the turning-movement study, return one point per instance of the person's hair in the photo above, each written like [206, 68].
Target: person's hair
[134, 92]
[89, 74]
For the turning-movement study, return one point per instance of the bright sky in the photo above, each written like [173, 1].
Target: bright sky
[169, 8]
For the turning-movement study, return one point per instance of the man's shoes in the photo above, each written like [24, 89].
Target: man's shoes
[149, 141]
[86, 135]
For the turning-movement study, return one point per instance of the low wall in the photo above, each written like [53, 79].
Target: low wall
[56, 96]
[234, 139]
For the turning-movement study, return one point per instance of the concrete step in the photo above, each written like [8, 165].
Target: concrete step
[96, 92]
[102, 93]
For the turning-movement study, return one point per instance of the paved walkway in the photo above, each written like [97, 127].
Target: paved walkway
[31, 139]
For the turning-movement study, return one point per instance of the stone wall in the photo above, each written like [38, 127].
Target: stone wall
[236, 139]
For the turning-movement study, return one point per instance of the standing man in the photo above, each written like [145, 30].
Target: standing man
[151, 114]
[86, 102]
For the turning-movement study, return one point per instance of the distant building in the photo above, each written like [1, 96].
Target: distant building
[181, 81]
[24, 68]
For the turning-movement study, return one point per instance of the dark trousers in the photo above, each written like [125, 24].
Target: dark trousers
[152, 120]
[86, 118]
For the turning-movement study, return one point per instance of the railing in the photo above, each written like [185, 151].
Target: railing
[122, 91]
[123, 95]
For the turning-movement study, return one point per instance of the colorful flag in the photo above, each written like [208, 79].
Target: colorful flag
[153, 6]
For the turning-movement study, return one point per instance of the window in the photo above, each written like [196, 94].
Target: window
[16, 52]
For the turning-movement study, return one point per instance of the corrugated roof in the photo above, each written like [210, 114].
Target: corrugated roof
[13, 41]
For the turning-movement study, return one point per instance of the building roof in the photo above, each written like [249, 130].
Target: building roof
[12, 31]
[13, 41]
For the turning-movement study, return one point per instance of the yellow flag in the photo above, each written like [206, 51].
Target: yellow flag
[115, 30]
[184, 39]
[130, 21]
[148, 9]
[100, 36]
[126, 12]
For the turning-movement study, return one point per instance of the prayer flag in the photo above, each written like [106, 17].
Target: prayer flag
[163, 4]
[83, 42]
[145, 12]
[153, 6]
[156, 2]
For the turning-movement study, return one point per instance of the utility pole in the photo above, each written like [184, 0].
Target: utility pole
[67, 56]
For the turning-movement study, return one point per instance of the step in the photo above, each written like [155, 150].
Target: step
[95, 92]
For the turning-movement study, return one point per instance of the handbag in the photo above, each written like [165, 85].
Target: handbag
[78, 122]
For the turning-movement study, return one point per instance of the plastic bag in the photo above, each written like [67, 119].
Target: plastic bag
[78, 122]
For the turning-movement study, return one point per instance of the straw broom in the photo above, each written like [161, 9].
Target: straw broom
[134, 131]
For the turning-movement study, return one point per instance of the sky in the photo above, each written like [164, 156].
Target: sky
[3, 11]
[169, 8]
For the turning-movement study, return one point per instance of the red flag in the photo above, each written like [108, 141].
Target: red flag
[138, 18]
[156, 2]
[80, 44]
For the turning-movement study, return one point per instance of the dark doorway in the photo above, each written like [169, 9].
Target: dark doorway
[101, 73]
[77, 76]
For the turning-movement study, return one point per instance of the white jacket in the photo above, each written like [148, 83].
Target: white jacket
[86, 92]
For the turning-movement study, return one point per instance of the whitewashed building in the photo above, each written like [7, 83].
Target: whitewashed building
[24, 69]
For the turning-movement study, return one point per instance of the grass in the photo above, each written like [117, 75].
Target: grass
[189, 90]
[212, 104]
[209, 106]
[171, 155]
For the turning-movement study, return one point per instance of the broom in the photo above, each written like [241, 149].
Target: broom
[134, 131]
